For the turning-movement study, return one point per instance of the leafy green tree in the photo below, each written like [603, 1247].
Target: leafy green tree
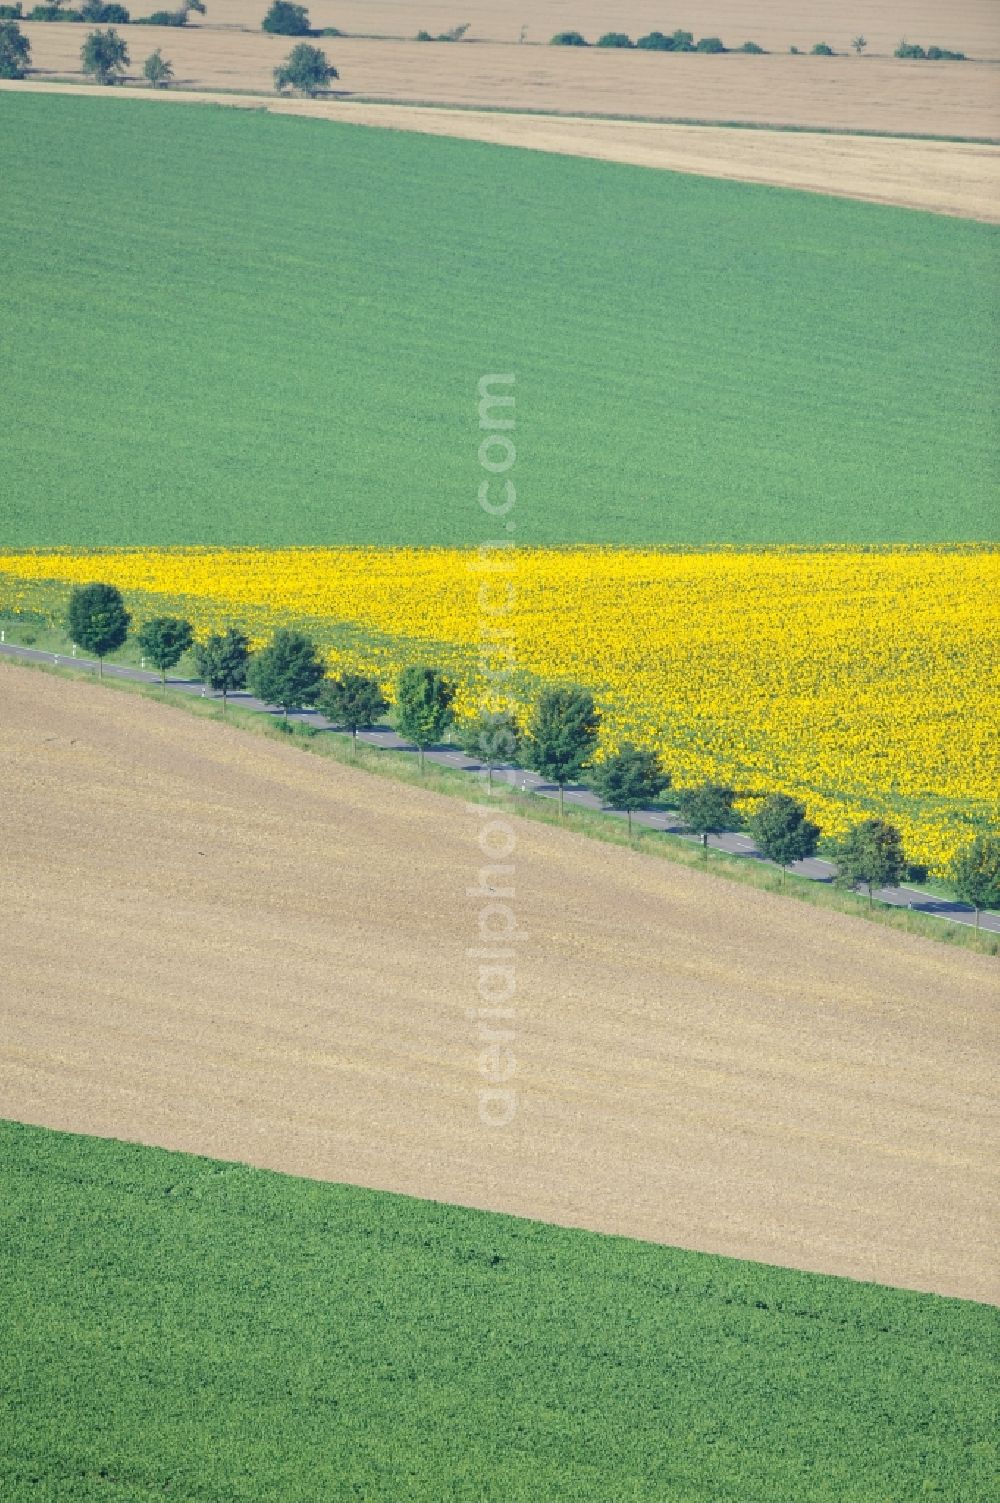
[677, 41]
[710, 44]
[164, 640]
[871, 852]
[353, 701]
[222, 661]
[157, 70]
[307, 69]
[423, 706]
[568, 39]
[288, 672]
[171, 17]
[656, 41]
[15, 51]
[615, 39]
[820, 49]
[105, 56]
[708, 810]
[976, 873]
[562, 734]
[286, 20]
[494, 736]
[782, 832]
[97, 621]
[630, 779]
[96, 10]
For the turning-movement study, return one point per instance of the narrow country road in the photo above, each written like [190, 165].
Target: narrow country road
[737, 844]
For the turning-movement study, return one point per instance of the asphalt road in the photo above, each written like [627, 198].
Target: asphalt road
[530, 782]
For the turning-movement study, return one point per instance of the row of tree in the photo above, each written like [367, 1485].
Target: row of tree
[683, 41]
[101, 12]
[558, 740]
[104, 57]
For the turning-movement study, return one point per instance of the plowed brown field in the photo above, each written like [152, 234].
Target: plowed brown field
[223, 945]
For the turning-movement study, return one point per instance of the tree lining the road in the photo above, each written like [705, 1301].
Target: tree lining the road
[560, 741]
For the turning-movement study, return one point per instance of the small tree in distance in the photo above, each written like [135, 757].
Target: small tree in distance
[287, 673]
[157, 70]
[630, 779]
[353, 701]
[677, 41]
[286, 20]
[859, 44]
[105, 56]
[97, 621]
[165, 640]
[307, 69]
[871, 852]
[222, 662]
[171, 17]
[107, 15]
[562, 734]
[976, 873]
[569, 39]
[782, 832]
[423, 706]
[708, 810]
[656, 41]
[494, 736]
[15, 51]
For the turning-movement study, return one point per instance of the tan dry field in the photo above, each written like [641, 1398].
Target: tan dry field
[854, 94]
[970, 26]
[224, 945]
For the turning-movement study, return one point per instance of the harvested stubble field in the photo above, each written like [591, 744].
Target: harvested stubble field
[217, 944]
[847, 93]
[971, 26]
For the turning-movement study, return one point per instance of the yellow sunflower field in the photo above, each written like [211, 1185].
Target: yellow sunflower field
[860, 681]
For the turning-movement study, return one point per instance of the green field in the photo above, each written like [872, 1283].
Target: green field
[278, 341]
[176, 1327]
